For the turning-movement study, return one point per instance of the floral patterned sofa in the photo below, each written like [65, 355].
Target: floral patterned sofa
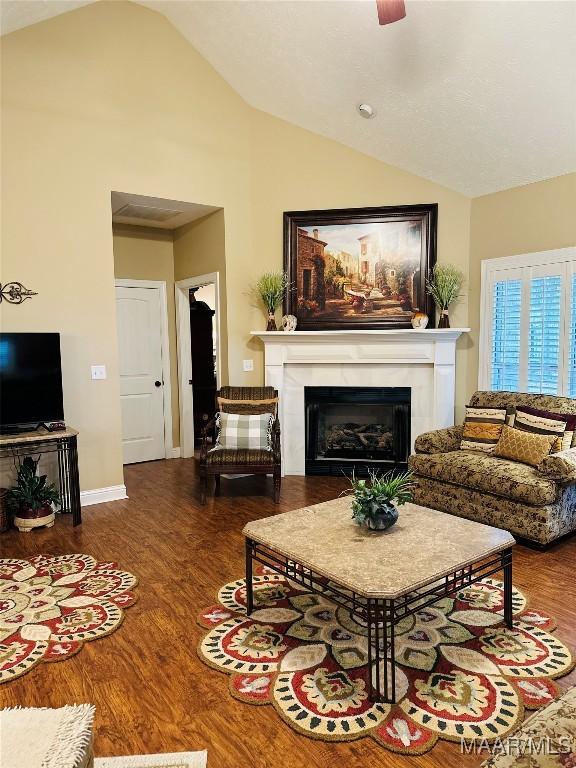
[534, 504]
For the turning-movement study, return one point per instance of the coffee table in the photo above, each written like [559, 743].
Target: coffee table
[379, 576]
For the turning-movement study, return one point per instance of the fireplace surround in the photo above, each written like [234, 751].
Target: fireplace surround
[423, 360]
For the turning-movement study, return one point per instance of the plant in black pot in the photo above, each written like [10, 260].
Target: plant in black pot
[376, 499]
[32, 498]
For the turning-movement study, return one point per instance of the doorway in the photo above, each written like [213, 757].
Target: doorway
[144, 369]
[205, 289]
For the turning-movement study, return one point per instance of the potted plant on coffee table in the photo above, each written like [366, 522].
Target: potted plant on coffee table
[376, 499]
[33, 497]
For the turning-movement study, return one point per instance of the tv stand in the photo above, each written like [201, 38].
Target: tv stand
[19, 429]
[64, 443]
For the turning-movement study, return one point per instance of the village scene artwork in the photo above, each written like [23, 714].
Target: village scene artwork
[367, 272]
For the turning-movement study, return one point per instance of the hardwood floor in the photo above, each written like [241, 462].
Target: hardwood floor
[151, 691]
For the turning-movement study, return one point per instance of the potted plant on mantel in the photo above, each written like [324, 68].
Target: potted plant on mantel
[270, 288]
[376, 500]
[444, 287]
[32, 497]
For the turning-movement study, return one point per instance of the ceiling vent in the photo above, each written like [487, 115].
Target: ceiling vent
[146, 213]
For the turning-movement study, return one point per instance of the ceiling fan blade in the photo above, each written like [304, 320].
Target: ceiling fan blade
[390, 10]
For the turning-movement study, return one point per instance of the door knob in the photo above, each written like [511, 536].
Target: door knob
[157, 383]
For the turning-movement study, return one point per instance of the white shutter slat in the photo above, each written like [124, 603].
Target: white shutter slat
[544, 334]
[572, 326]
[507, 305]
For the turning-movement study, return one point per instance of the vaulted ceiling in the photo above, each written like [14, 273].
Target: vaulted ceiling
[478, 95]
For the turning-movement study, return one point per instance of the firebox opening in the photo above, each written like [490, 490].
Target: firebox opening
[353, 429]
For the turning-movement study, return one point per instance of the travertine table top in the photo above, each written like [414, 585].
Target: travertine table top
[36, 436]
[424, 545]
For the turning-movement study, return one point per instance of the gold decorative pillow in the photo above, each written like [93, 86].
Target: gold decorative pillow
[524, 447]
[252, 407]
[482, 428]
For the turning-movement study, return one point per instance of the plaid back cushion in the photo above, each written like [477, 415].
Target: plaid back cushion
[244, 431]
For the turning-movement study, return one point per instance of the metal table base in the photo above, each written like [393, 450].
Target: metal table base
[380, 615]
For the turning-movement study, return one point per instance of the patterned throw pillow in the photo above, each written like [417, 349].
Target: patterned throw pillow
[546, 423]
[244, 431]
[482, 428]
[524, 447]
[248, 406]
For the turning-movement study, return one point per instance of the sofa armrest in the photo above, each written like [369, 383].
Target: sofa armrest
[560, 466]
[439, 441]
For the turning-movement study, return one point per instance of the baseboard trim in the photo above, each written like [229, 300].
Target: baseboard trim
[176, 453]
[102, 495]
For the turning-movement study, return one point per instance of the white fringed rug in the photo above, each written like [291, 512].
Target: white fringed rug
[173, 760]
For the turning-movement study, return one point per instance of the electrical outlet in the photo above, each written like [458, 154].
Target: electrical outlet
[98, 372]
[248, 365]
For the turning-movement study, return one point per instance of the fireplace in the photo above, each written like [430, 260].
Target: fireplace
[353, 429]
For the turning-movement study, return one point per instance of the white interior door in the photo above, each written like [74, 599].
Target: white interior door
[141, 385]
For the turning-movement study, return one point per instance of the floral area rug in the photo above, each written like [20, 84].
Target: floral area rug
[50, 606]
[460, 672]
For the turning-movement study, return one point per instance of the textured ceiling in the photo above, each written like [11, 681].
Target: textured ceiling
[476, 95]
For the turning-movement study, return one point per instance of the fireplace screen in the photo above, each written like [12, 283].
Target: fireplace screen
[355, 428]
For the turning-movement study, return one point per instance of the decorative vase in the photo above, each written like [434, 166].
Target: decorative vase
[26, 519]
[271, 322]
[289, 323]
[379, 517]
[444, 320]
[419, 320]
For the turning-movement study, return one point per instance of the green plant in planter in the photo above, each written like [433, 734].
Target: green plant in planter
[376, 499]
[444, 287]
[270, 288]
[32, 493]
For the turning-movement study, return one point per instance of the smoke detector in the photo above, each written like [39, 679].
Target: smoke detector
[366, 111]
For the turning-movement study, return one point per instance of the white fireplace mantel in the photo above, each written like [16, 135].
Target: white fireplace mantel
[424, 360]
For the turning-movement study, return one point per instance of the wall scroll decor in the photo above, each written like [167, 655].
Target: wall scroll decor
[15, 293]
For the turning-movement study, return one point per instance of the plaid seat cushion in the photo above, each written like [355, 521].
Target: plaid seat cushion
[244, 431]
[224, 456]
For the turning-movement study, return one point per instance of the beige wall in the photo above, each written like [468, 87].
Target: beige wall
[73, 131]
[107, 97]
[148, 255]
[528, 219]
[294, 169]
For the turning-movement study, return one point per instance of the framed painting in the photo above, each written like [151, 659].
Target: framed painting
[363, 268]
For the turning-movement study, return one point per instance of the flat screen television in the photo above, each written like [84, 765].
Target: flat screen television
[30, 380]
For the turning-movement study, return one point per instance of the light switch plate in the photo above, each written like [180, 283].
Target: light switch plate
[98, 372]
[248, 365]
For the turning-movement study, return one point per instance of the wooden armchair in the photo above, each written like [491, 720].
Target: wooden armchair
[214, 463]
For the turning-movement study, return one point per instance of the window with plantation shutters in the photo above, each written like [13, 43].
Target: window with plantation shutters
[572, 359]
[528, 323]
